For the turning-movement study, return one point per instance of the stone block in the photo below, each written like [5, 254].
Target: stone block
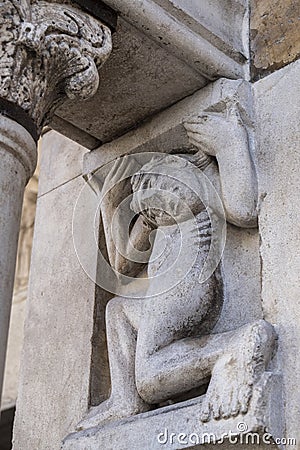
[61, 160]
[55, 366]
[277, 99]
[274, 35]
[178, 426]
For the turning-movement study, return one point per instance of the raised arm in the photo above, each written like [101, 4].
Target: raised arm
[225, 137]
[124, 239]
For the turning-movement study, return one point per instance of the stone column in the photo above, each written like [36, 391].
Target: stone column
[18, 159]
[49, 52]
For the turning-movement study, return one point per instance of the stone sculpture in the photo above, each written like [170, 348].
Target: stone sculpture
[49, 52]
[161, 346]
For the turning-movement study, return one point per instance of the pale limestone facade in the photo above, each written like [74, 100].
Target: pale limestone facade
[182, 82]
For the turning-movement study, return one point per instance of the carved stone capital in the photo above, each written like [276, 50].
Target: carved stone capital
[49, 52]
[14, 139]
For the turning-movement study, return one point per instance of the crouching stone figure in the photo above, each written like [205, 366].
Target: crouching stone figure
[162, 344]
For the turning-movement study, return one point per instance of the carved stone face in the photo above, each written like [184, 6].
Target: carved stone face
[163, 199]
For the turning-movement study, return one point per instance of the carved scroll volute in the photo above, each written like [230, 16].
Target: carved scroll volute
[49, 52]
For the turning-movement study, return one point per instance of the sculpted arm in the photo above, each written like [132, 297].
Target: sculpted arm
[226, 139]
[124, 238]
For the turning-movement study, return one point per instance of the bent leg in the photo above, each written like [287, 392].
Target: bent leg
[122, 320]
[168, 362]
[236, 372]
[179, 367]
[235, 360]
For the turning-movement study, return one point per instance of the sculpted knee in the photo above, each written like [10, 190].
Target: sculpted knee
[146, 386]
[260, 337]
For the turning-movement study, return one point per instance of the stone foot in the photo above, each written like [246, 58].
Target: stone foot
[237, 371]
[109, 411]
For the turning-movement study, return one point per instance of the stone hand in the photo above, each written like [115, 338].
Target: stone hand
[117, 184]
[213, 133]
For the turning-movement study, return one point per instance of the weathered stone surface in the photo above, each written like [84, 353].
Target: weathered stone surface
[274, 35]
[175, 427]
[18, 159]
[61, 160]
[277, 99]
[54, 388]
[163, 50]
[49, 52]
[190, 32]
[139, 79]
[76, 134]
[13, 355]
[222, 24]
[15, 336]
[165, 130]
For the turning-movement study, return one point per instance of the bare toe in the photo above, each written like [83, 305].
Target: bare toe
[205, 411]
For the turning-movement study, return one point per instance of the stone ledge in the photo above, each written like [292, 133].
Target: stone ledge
[165, 132]
[163, 51]
[187, 32]
[143, 431]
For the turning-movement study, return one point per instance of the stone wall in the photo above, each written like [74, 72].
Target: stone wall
[274, 35]
[277, 100]
[57, 347]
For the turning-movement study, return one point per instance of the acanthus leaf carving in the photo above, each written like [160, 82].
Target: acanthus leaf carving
[49, 52]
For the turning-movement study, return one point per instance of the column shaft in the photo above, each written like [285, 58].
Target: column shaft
[17, 162]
